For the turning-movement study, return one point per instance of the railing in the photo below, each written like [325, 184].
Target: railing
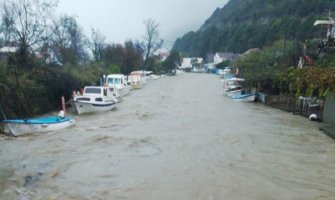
[304, 106]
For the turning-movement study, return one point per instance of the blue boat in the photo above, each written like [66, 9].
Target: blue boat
[18, 127]
[250, 97]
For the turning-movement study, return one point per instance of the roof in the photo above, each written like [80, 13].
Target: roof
[323, 22]
[210, 57]
[254, 50]
[8, 49]
[115, 76]
[226, 55]
[235, 79]
[141, 73]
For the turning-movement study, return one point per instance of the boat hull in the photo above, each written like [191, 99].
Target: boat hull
[87, 107]
[135, 86]
[39, 125]
[232, 93]
[244, 97]
[123, 91]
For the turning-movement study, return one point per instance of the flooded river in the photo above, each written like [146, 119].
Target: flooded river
[177, 138]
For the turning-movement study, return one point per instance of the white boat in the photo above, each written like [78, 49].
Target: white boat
[115, 93]
[149, 75]
[120, 82]
[137, 79]
[142, 77]
[248, 97]
[233, 92]
[232, 86]
[95, 99]
[153, 77]
[18, 127]
[134, 81]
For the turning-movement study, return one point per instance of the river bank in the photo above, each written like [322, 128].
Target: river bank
[177, 138]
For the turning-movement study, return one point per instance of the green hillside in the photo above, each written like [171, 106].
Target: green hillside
[244, 24]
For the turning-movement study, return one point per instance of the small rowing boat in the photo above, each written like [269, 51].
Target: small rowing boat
[18, 127]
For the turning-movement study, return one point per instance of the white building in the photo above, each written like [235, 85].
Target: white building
[186, 63]
[221, 57]
[6, 51]
[162, 53]
[191, 62]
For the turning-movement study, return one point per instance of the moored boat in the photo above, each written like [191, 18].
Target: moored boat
[142, 76]
[135, 81]
[115, 93]
[120, 82]
[18, 127]
[232, 86]
[248, 97]
[95, 99]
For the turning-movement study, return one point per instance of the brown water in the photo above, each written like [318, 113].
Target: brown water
[177, 138]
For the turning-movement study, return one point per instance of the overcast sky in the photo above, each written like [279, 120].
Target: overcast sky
[119, 20]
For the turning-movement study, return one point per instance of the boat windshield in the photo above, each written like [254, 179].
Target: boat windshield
[92, 90]
[114, 81]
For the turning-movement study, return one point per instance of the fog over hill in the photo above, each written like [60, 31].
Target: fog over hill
[244, 24]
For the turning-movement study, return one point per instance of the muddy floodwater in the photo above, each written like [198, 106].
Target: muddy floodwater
[178, 138]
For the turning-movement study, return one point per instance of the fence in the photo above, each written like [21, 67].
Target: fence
[304, 106]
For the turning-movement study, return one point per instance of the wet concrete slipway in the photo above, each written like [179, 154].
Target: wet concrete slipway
[177, 138]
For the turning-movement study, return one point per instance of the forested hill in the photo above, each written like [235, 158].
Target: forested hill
[244, 24]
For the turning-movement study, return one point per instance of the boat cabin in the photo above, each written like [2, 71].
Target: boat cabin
[116, 79]
[232, 84]
[95, 93]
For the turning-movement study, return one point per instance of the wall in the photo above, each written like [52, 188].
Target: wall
[329, 110]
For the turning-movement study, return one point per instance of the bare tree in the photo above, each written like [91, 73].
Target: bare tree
[28, 22]
[68, 42]
[7, 22]
[114, 55]
[133, 56]
[152, 40]
[97, 44]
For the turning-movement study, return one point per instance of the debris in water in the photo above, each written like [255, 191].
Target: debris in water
[30, 180]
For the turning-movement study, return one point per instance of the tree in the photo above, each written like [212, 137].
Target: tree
[223, 64]
[97, 44]
[114, 55]
[241, 25]
[133, 56]
[171, 61]
[152, 40]
[154, 64]
[7, 31]
[68, 42]
[128, 57]
[27, 22]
